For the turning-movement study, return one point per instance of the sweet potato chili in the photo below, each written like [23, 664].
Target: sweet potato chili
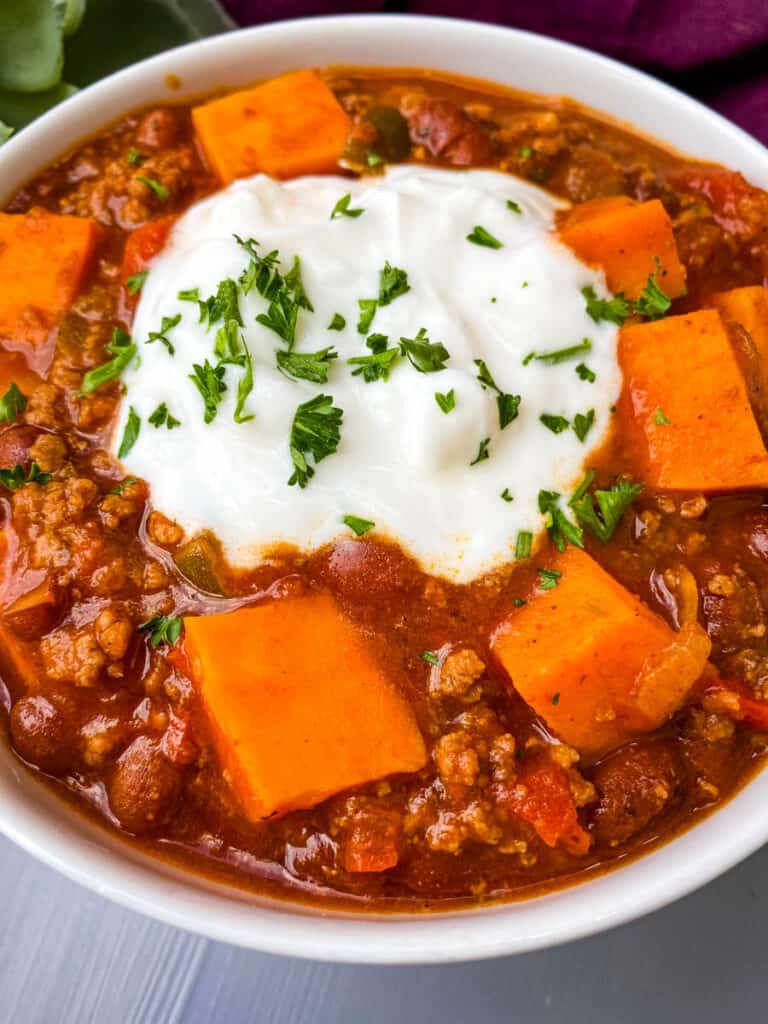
[337, 725]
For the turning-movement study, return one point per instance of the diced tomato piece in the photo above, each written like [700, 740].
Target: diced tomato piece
[144, 244]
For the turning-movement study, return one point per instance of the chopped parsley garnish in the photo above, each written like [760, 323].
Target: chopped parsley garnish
[312, 366]
[16, 477]
[122, 349]
[130, 434]
[479, 236]
[12, 404]
[135, 281]
[209, 381]
[557, 424]
[358, 526]
[393, 282]
[374, 160]
[506, 496]
[425, 356]
[295, 285]
[377, 366]
[482, 452]
[585, 373]
[652, 302]
[119, 488]
[285, 294]
[135, 157]
[162, 629]
[559, 527]
[338, 323]
[430, 657]
[316, 431]
[446, 401]
[556, 698]
[601, 521]
[160, 191]
[229, 345]
[513, 206]
[659, 418]
[162, 417]
[166, 324]
[368, 309]
[525, 152]
[343, 209]
[615, 310]
[518, 602]
[281, 317]
[560, 355]
[582, 423]
[548, 578]
[529, 358]
[523, 545]
[508, 405]
[244, 388]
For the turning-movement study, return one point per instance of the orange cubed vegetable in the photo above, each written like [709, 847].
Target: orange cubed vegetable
[748, 307]
[288, 126]
[300, 709]
[541, 795]
[44, 258]
[626, 239]
[581, 655]
[685, 410]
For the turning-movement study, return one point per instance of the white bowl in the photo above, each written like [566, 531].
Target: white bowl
[47, 828]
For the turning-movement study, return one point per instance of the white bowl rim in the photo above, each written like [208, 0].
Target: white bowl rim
[50, 831]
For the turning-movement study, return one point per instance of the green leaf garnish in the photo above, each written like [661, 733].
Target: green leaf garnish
[285, 294]
[16, 477]
[482, 452]
[508, 405]
[312, 366]
[423, 355]
[582, 424]
[659, 418]
[377, 366]
[560, 355]
[585, 373]
[338, 323]
[343, 209]
[525, 152]
[135, 281]
[479, 236]
[548, 578]
[130, 434]
[162, 417]
[601, 521]
[162, 629]
[281, 317]
[358, 526]
[160, 191]
[447, 401]
[556, 698]
[652, 302]
[557, 424]
[316, 431]
[166, 324]
[523, 545]
[559, 527]
[506, 495]
[123, 350]
[244, 388]
[430, 657]
[518, 602]
[513, 206]
[368, 309]
[615, 310]
[209, 381]
[393, 282]
[135, 157]
[119, 488]
[12, 404]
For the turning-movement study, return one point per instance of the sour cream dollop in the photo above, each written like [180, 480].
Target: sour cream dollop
[402, 462]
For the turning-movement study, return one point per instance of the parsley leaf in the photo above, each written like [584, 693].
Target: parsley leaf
[244, 388]
[430, 657]
[119, 488]
[615, 310]
[659, 417]
[316, 431]
[209, 381]
[508, 405]
[559, 527]
[12, 404]
[611, 506]
[130, 434]
[560, 355]
[281, 317]
[368, 309]
[15, 478]
[482, 452]
[343, 209]
[162, 417]
[160, 191]
[135, 281]
[285, 294]
[357, 525]
[294, 284]
[557, 424]
[480, 236]
[393, 282]
[162, 629]
[338, 323]
[423, 355]
[135, 157]
[377, 366]
[513, 206]
[123, 350]
[447, 401]
[506, 496]
[585, 373]
[312, 366]
[548, 578]
[582, 424]
[523, 545]
[229, 345]
[652, 302]
[166, 324]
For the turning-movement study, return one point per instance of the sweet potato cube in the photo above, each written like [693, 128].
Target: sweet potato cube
[300, 709]
[44, 258]
[748, 307]
[685, 408]
[626, 239]
[288, 126]
[576, 655]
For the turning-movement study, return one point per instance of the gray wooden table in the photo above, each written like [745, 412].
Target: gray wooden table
[69, 957]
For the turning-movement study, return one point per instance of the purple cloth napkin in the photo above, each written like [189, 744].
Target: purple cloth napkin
[714, 49]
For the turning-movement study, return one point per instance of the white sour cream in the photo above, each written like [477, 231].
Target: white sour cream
[401, 462]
